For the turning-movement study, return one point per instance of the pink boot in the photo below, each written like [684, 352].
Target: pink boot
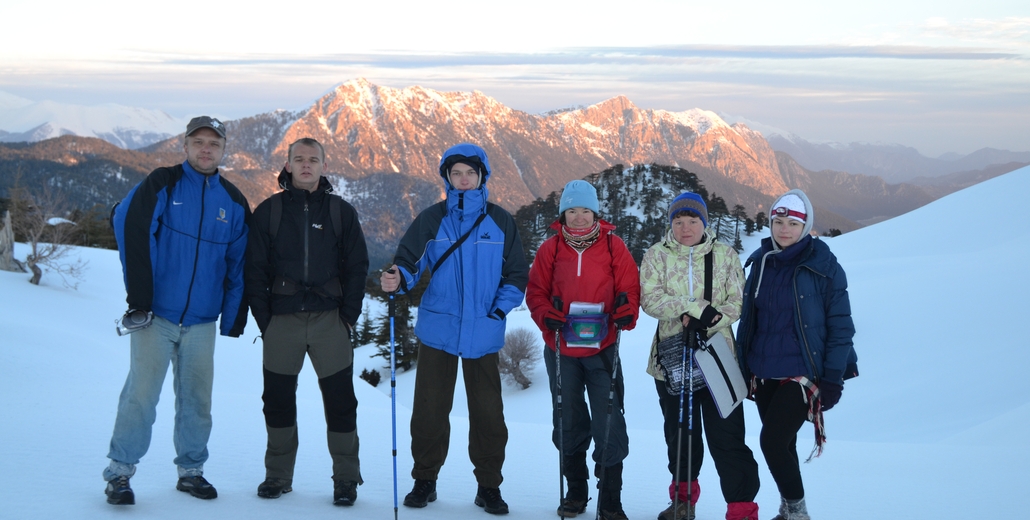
[742, 511]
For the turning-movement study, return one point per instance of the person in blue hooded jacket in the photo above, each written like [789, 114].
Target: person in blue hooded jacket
[794, 340]
[479, 275]
[182, 238]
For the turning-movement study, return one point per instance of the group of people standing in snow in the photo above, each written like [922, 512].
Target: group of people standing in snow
[191, 251]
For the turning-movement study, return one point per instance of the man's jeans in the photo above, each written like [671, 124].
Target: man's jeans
[191, 351]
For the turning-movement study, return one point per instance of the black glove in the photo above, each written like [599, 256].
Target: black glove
[623, 317]
[829, 394]
[497, 314]
[709, 317]
[554, 319]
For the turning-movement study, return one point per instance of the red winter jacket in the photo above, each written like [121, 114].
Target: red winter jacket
[600, 273]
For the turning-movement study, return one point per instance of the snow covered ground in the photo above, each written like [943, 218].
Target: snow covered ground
[935, 427]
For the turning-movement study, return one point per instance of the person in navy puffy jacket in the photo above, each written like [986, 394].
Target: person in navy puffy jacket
[794, 341]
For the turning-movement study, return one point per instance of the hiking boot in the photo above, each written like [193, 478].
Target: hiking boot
[197, 486]
[490, 500]
[422, 494]
[345, 493]
[119, 493]
[792, 510]
[274, 487]
[576, 498]
[683, 511]
[569, 508]
[613, 515]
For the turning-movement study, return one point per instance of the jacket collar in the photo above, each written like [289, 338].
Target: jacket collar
[286, 183]
[700, 249]
[194, 174]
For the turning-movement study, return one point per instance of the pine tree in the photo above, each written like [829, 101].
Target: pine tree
[405, 341]
[761, 221]
[365, 332]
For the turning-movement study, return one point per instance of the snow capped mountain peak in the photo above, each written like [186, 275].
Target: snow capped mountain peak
[701, 121]
[124, 126]
[9, 101]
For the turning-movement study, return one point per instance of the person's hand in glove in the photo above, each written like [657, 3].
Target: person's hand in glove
[554, 319]
[829, 394]
[624, 317]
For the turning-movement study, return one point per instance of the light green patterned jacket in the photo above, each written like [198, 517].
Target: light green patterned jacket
[672, 282]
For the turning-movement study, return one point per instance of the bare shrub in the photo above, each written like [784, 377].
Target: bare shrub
[520, 354]
[39, 220]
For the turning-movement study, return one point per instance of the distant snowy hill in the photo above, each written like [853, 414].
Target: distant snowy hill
[127, 127]
[894, 163]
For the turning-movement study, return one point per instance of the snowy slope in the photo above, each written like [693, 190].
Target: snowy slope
[935, 427]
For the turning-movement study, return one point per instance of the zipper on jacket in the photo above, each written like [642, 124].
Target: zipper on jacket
[461, 270]
[196, 255]
[801, 324]
[307, 234]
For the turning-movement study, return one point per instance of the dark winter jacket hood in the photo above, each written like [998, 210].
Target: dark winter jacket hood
[466, 153]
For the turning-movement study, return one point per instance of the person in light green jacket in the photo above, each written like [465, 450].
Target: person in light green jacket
[672, 288]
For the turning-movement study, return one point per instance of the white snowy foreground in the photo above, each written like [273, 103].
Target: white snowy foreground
[935, 427]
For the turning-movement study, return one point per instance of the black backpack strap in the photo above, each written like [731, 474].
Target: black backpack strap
[709, 267]
[275, 215]
[335, 215]
[457, 244]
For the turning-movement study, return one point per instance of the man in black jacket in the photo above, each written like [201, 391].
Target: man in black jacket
[305, 279]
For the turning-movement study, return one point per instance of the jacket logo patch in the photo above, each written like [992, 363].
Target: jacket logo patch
[221, 215]
[316, 226]
[485, 236]
[176, 203]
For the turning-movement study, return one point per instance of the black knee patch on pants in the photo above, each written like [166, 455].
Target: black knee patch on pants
[280, 398]
[341, 406]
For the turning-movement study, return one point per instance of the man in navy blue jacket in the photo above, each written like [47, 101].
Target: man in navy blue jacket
[182, 238]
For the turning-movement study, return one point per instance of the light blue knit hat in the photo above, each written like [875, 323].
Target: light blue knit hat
[578, 194]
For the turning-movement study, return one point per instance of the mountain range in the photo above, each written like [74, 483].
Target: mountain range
[381, 142]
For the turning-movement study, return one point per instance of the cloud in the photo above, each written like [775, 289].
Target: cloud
[1005, 32]
[646, 56]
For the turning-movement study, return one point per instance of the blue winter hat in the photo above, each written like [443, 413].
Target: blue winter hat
[578, 194]
[691, 203]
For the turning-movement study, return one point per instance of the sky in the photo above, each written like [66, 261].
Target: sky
[935, 426]
[942, 76]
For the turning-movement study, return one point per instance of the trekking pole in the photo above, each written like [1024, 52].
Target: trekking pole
[393, 395]
[561, 424]
[620, 300]
[691, 345]
[690, 424]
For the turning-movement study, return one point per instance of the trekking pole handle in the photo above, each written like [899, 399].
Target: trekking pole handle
[392, 305]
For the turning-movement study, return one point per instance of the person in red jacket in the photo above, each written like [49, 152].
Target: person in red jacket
[585, 266]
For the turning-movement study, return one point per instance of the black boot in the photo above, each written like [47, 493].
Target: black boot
[576, 474]
[610, 500]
